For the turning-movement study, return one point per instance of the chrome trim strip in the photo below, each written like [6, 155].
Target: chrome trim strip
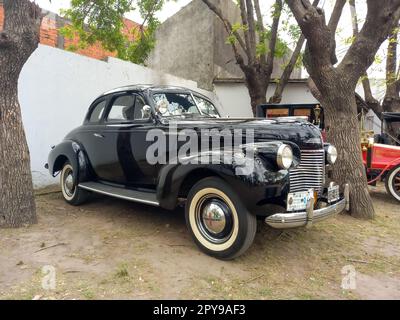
[115, 195]
[301, 219]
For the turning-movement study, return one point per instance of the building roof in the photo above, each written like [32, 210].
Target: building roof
[241, 80]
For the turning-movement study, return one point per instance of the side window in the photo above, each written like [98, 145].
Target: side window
[97, 112]
[142, 111]
[122, 109]
[207, 107]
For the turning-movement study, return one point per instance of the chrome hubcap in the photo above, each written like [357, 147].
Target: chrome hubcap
[214, 219]
[69, 182]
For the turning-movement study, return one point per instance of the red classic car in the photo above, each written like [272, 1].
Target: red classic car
[382, 161]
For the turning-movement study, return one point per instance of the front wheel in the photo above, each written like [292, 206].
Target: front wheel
[217, 219]
[393, 182]
[69, 188]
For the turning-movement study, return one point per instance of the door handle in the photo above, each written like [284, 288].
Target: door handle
[98, 135]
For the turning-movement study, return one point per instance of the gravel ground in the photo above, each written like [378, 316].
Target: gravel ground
[113, 249]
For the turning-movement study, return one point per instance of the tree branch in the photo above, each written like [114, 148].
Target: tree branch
[391, 58]
[227, 24]
[252, 28]
[28, 16]
[382, 17]
[314, 90]
[274, 35]
[329, 31]
[245, 24]
[369, 98]
[332, 26]
[277, 96]
[260, 25]
[319, 45]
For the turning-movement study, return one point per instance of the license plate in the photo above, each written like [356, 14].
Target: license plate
[297, 201]
[333, 194]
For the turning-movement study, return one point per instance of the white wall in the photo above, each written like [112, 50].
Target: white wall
[55, 89]
[234, 97]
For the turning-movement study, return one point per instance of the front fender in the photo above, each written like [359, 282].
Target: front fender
[71, 151]
[253, 179]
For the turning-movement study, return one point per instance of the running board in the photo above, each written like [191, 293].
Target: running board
[121, 193]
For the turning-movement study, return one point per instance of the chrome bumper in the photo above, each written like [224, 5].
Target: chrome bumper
[308, 217]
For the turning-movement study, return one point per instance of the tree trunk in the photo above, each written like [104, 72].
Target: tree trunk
[257, 97]
[343, 132]
[18, 40]
[257, 84]
[391, 101]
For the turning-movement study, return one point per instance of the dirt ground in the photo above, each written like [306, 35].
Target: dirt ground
[109, 249]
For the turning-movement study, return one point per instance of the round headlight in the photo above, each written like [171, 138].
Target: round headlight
[331, 154]
[284, 157]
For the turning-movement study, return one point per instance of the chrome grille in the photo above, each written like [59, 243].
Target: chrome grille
[310, 173]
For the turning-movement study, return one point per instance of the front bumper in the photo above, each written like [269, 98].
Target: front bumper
[307, 218]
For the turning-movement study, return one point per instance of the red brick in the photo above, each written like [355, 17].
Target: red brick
[49, 36]
[1, 17]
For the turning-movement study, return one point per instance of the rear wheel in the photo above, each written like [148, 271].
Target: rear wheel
[217, 219]
[70, 191]
[393, 182]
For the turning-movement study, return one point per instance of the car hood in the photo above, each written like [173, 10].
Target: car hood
[304, 134]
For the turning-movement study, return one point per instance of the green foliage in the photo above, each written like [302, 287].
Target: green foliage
[231, 39]
[103, 21]
[349, 40]
[281, 47]
[299, 61]
[239, 27]
[378, 59]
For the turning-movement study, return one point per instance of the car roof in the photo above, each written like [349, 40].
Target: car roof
[151, 87]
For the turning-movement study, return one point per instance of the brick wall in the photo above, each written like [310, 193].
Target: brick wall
[48, 32]
[95, 51]
[1, 17]
[50, 36]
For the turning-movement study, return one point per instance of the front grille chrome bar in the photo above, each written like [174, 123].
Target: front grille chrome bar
[310, 173]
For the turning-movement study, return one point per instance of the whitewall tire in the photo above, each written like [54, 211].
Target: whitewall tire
[70, 191]
[217, 220]
[393, 183]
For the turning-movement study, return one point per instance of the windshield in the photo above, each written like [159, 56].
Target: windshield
[175, 104]
[206, 107]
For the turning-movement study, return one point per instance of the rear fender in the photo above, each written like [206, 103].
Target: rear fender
[73, 152]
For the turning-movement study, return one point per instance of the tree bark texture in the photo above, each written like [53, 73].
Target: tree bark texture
[391, 101]
[369, 98]
[20, 37]
[336, 84]
[342, 129]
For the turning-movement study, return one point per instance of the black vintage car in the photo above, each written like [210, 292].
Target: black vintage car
[130, 147]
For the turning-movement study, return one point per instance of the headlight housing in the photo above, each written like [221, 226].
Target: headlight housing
[331, 154]
[284, 156]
